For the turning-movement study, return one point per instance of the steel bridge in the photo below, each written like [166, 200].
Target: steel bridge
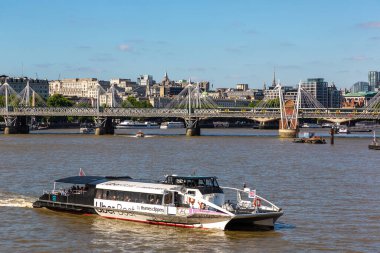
[191, 105]
[261, 115]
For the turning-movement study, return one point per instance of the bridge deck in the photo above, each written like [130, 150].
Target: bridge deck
[257, 114]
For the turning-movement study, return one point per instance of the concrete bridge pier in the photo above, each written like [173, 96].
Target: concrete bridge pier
[192, 127]
[288, 133]
[16, 125]
[195, 131]
[104, 126]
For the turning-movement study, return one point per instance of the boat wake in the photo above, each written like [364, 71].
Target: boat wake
[280, 226]
[8, 199]
[133, 136]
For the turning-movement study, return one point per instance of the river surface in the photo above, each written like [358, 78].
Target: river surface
[329, 193]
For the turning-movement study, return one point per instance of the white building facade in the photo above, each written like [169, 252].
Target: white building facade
[78, 87]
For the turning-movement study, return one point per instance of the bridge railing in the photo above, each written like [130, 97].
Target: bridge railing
[273, 113]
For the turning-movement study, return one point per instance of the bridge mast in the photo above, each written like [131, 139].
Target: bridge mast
[6, 96]
[298, 104]
[103, 124]
[192, 127]
[288, 127]
[13, 124]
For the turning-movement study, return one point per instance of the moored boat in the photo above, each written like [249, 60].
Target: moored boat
[86, 129]
[343, 130]
[310, 138]
[172, 124]
[221, 124]
[129, 124]
[182, 201]
[310, 125]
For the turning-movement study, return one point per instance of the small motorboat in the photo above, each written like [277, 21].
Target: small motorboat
[86, 128]
[140, 134]
[316, 140]
[42, 126]
[299, 140]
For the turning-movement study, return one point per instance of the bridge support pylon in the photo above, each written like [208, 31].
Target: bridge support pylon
[16, 125]
[288, 133]
[103, 125]
[192, 127]
[195, 131]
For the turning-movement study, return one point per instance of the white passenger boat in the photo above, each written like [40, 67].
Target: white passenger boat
[181, 201]
[343, 130]
[129, 124]
[172, 124]
[310, 125]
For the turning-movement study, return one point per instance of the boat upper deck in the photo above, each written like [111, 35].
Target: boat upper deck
[205, 184]
[135, 186]
[192, 181]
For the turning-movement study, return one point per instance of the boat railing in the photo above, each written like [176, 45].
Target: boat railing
[257, 201]
[64, 192]
[207, 203]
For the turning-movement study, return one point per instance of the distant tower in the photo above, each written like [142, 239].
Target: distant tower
[165, 81]
[265, 86]
[274, 79]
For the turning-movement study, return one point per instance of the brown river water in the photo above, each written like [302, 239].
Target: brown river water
[329, 193]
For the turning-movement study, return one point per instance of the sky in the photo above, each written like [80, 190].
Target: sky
[223, 42]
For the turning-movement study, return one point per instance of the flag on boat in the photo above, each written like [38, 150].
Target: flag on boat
[252, 194]
[81, 172]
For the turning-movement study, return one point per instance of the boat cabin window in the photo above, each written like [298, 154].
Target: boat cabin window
[191, 193]
[192, 181]
[137, 197]
[168, 198]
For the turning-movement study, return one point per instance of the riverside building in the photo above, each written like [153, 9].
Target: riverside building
[358, 99]
[318, 88]
[40, 86]
[78, 87]
[374, 80]
[360, 87]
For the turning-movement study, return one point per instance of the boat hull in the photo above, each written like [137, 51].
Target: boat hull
[138, 127]
[170, 125]
[179, 217]
[375, 147]
[258, 221]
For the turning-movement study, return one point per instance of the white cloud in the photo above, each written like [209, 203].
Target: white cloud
[375, 24]
[359, 58]
[125, 47]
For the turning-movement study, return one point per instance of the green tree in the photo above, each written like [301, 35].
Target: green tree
[13, 100]
[57, 100]
[133, 102]
[2, 101]
[126, 104]
[273, 103]
[254, 103]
